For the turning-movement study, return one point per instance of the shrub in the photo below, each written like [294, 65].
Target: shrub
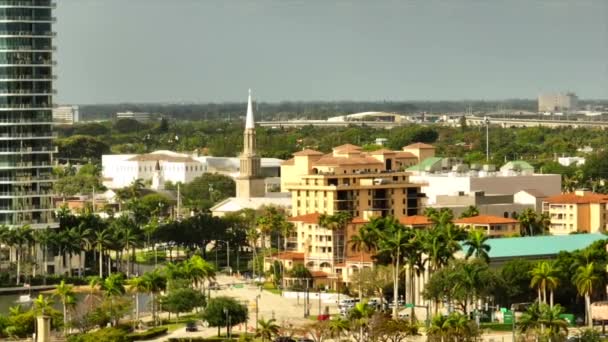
[148, 334]
[101, 335]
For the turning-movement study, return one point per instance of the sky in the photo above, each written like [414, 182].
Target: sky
[112, 51]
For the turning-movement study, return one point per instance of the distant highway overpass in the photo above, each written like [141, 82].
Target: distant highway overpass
[513, 122]
[324, 123]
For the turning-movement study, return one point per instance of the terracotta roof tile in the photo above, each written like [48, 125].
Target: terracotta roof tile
[306, 218]
[382, 151]
[573, 198]
[308, 152]
[347, 147]
[318, 274]
[402, 154]
[485, 219]
[288, 162]
[365, 160]
[289, 256]
[414, 220]
[420, 145]
[357, 258]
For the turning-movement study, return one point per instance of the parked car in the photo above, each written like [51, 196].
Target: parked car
[191, 326]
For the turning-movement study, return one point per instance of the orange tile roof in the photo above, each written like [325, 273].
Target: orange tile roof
[405, 155]
[420, 145]
[162, 157]
[288, 162]
[347, 147]
[382, 151]
[318, 274]
[590, 197]
[414, 220]
[340, 265]
[289, 256]
[308, 152]
[306, 218]
[359, 160]
[485, 219]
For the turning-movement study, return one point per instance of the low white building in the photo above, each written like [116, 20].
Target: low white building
[462, 180]
[567, 161]
[139, 116]
[120, 170]
[66, 115]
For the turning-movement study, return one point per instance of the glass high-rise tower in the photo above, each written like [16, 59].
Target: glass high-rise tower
[26, 93]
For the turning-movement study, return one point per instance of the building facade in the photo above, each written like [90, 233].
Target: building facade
[557, 102]
[577, 212]
[139, 116]
[26, 113]
[493, 226]
[66, 115]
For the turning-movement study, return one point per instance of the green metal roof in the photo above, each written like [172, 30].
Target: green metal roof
[423, 165]
[544, 245]
[521, 164]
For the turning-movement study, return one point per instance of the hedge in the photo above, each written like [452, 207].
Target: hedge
[200, 339]
[148, 334]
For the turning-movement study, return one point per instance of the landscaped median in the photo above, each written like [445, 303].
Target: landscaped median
[117, 335]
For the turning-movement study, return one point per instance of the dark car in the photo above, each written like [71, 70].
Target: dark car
[191, 326]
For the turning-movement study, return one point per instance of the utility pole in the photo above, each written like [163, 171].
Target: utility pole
[178, 216]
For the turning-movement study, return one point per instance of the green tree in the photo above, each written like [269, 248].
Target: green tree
[216, 317]
[66, 294]
[82, 147]
[545, 276]
[155, 282]
[267, 329]
[470, 211]
[206, 190]
[585, 279]
[476, 245]
[182, 300]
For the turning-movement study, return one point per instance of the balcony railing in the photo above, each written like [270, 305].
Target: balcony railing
[29, 33]
[41, 149]
[43, 135]
[26, 193]
[22, 3]
[27, 18]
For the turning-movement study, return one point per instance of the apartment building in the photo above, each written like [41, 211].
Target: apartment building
[579, 211]
[557, 102]
[364, 184]
[493, 226]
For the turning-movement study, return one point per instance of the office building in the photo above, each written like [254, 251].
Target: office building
[577, 212]
[66, 115]
[493, 226]
[26, 113]
[141, 117]
[557, 102]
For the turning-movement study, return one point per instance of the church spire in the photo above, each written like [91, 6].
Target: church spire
[249, 123]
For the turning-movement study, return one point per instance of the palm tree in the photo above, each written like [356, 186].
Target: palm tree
[545, 275]
[198, 270]
[66, 294]
[476, 243]
[253, 236]
[584, 279]
[360, 316]
[94, 283]
[137, 285]
[101, 239]
[113, 286]
[43, 237]
[82, 235]
[42, 305]
[337, 326]
[394, 239]
[267, 329]
[362, 242]
[155, 283]
[129, 236]
[540, 320]
[470, 211]
[18, 238]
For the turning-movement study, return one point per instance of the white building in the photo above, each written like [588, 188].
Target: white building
[66, 115]
[142, 117]
[120, 170]
[460, 180]
[557, 102]
[567, 161]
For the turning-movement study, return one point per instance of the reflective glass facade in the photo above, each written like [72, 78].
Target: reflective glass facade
[26, 101]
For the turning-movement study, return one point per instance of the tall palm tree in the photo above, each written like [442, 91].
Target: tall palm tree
[113, 287]
[267, 329]
[101, 239]
[43, 237]
[155, 283]
[19, 238]
[360, 316]
[253, 236]
[394, 239]
[198, 270]
[363, 242]
[545, 275]
[137, 285]
[476, 243]
[66, 294]
[585, 279]
[82, 235]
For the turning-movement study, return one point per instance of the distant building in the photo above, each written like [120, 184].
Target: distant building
[577, 212]
[496, 204]
[66, 115]
[567, 161]
[139, 116]
[494, 226]
[120, 170]
[369, 116]
[557, 102]
[446, 176]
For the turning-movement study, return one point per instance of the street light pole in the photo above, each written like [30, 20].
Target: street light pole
[257, 310]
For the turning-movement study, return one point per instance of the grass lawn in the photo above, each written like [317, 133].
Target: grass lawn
[173, 326]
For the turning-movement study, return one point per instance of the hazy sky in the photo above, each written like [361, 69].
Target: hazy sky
[213, 50]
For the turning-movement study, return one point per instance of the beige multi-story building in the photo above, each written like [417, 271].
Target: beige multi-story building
[493, 226]
[559, 102]
[579, 211]
[363, 184]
